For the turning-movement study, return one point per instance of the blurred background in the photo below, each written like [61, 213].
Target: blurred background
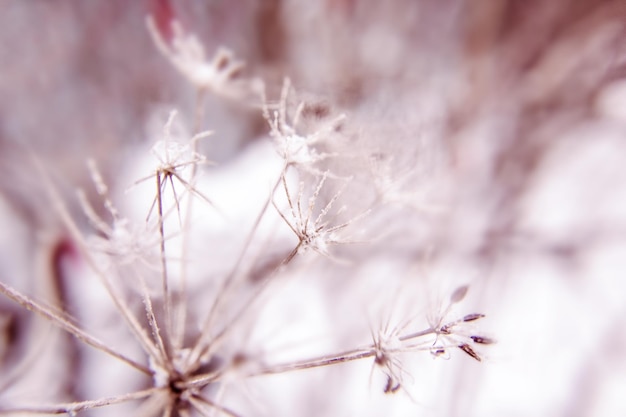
[495, 131]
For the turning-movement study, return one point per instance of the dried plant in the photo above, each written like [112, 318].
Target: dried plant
[187, 55]
[423, 148]
[467, 144]
[187, 361]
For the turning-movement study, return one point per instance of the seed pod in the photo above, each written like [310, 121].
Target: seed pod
[472, 317]
[390, 388]
[446, 329]
[458, 294]
[482, 340]
[437, 352]
[467, 349]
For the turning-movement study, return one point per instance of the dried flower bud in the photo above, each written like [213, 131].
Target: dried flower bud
[472, 317]
[390, 387]
[316, 110]
[467, 349]
[482, 340]
[437, 352]
[458, 294]
[446, 328]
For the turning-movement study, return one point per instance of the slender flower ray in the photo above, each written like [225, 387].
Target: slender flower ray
[320, 361]
[167, 411]
[181, 305]
[152, 321]
[161, 177]
[10, 377]
[201, 381]
[155, 404]
[201, 344]
[415, 335]
[136, 329]
[164, 275]
[304, 234]
[184, 412]
[66, 325]
[108, 231]
[167, 172]
[206, 407]
[213, 342]
[362, 352]
[278, 125]
[371, 350]
[156, 197]
[73, 408]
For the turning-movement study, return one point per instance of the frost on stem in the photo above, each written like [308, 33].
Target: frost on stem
[171, 154]
[172, 158]
[297, 149]
[316, 234]
[123, 242]
[126, 243]
[220, 75]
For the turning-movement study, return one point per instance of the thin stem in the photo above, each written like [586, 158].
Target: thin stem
[66, 325]
[320, 361]
[199, 345]
[176, 200]
[190, 188]
[292, 254]
[201, 381]
[164, 275]
[326, 360]
[415, 335]
[181, 306]
[136, 329]
[154, 201]
[204, 406]
[156, 404]
[152, 321]
[18, 370]
[214, 341]
[168, 410]
[72, 408]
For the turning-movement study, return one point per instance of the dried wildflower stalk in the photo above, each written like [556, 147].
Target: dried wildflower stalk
[180, 371]
[387, 345]
[220, 75]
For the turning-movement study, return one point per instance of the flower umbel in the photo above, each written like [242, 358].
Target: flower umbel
[172, 158]
[457, 333]
[218, 75]
[295, 148]
[317, 235]
[196, 317]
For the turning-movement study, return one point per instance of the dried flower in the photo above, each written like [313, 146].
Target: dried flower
[295, 148]
[219, 75]
[317, 234]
